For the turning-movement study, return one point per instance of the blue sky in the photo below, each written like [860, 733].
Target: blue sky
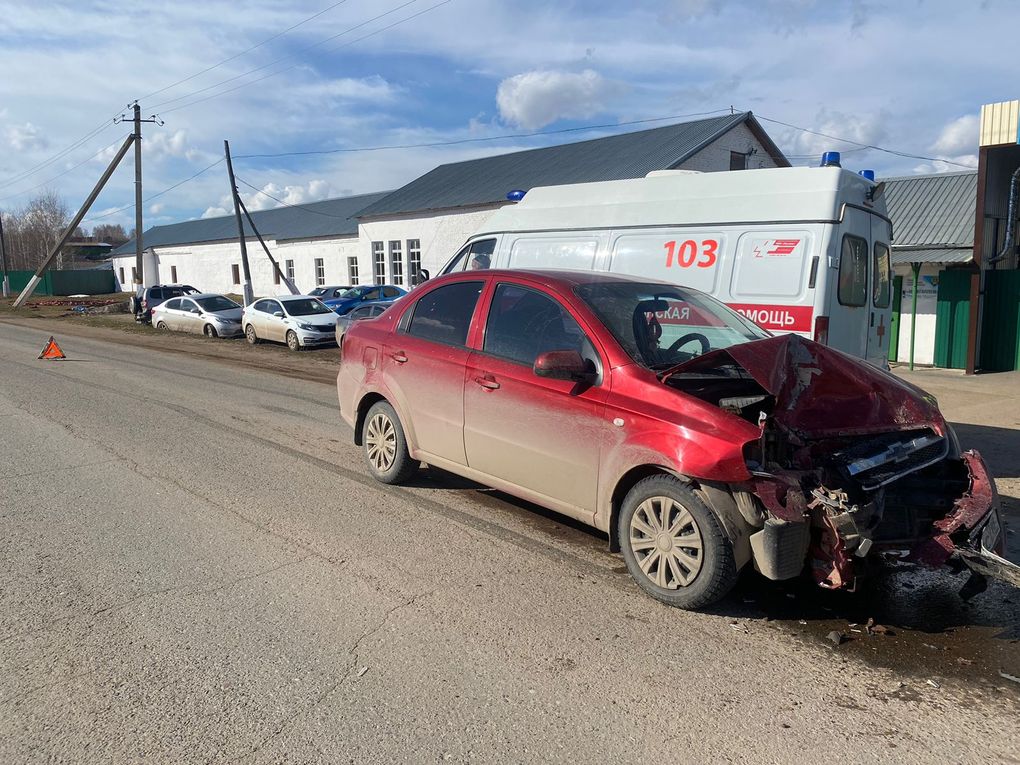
[908, 75]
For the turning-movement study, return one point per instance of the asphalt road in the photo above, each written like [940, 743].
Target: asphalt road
[195, 567]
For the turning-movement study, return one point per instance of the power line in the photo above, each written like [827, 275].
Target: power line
[894, 152]
[273, 63]
[303, 207]
[47, 162]
[69, 170]
[501, 137]
[242, 53]
[156, 195]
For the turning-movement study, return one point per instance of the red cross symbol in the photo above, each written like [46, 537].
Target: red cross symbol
[881, 329]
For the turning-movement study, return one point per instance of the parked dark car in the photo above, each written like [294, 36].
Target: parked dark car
[369, 293]
[330, 292]
[697, 441]
[148, 298]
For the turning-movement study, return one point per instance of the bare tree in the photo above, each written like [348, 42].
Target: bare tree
[34, 230]
[111, 233]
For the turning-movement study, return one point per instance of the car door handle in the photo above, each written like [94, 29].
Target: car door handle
[487, 383]
[398, 357]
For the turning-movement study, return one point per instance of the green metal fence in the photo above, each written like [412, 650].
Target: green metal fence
[88, 282]
[952, 316]
[894, 326]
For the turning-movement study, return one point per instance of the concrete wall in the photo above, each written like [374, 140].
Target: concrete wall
[716, 156]
[927, 299]
[208, 266]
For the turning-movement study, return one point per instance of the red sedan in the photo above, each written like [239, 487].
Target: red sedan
[653, 412]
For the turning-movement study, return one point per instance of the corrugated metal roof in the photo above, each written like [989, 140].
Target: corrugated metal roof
[329, 217]
[487, 180]
[935, 209]
[901, 256]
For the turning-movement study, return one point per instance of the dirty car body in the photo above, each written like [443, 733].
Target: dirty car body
[697, 441]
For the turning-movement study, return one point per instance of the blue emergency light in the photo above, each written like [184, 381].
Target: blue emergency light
[867, 175]
[516, 195]
[830, 159]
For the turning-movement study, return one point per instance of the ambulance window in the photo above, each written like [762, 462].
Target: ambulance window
[881, 277]
[459, 261]
[554, 253]
[853, 271]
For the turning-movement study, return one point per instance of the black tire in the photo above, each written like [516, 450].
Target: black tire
[209, 331]
[161, 326]
[715, 573]
[292, 341]
[250, 336]
[399, 467]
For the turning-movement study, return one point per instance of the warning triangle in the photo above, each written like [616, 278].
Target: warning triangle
[52, 350]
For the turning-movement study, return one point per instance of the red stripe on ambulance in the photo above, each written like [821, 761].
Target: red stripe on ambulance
[780, 318]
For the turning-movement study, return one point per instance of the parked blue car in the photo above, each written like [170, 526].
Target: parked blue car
[367, 294]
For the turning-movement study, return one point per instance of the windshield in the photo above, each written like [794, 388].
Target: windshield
[318, 292]
[216, 303]
[660, 325]
[306, 307]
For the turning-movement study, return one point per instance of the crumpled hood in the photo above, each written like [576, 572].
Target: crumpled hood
[822, 392]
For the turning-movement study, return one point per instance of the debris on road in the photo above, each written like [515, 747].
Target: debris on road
[933, 684]
[837, 637]
[362, 671]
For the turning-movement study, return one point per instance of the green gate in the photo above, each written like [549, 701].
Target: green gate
[952, 319]
[894, 326]
[1000, 340]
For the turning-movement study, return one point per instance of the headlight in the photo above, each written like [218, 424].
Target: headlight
[306, 327]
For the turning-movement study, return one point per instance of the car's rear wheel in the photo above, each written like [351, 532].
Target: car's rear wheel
[209, 330]
[674, 545]
[250, 336]
[161, 326]
[292, 341]
[386, 446]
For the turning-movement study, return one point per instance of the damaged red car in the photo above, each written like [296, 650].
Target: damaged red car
[698, 442]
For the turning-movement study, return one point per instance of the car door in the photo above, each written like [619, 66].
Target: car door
[423, 366]
[190, 321]
[538, 433]
[276, 326]
[166, 313]
[849, 302]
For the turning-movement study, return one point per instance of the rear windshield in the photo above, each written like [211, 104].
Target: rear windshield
[216, 303]
[306, 307]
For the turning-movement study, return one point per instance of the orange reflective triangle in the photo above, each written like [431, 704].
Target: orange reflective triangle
[52, 350]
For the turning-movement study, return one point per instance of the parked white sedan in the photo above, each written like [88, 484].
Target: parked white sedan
[297, 320]
[205, 313]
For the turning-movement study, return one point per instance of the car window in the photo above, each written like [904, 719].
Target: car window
[272, 306]
[443, 315]
[188, 305]
[881, 277]
[217, 303]
[459, 262]
[307, 307]
[174, 291]
[372, 294]
[377, 309]
[362, 312]
[156, 293]
[339, 292]
[390, 292]
[853, 271]
[173, 305]
[262, 306]
[524, 323]
[475, 257]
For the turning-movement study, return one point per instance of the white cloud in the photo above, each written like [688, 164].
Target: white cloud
[949, 164]
[535, 99]
[291, 194]
[26, 137]
[157, 208]
[373, 89]
[959, 136]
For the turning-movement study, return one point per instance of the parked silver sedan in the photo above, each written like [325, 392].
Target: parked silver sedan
[297, 320]
[205, 313]
[343, 323]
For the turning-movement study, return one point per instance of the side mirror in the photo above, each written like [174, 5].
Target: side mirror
[563, 365]
[422, 276]
[196, 310]
[278, 314]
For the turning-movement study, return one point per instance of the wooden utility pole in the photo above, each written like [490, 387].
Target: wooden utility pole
[249, 294]
[276, 266]
[139, 280]
[69, 231]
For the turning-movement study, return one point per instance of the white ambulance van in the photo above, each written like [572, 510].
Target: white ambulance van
[802, 250]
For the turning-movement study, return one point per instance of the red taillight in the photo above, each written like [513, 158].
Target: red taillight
[822, 330]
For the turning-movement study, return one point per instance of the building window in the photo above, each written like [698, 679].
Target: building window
[173, 274]
[289, 265]
[134, 275]
[235, 271]
[413, 259]
[320, 272]
[352, 270]
[378, 263]
[276, 273]
[122, 274]
[738, 160]
[396, 262]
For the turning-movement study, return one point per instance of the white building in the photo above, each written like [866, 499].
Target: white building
[384, 238]
[315, 244]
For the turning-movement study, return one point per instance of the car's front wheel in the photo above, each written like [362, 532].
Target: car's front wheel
[209, 330]
[250, 336]
[385, 445]
[292, 341]
[674, 545]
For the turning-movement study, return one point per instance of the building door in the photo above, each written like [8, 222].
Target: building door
[1000, 334]
[952, 319]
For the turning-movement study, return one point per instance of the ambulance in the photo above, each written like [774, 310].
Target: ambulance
[796, 250]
